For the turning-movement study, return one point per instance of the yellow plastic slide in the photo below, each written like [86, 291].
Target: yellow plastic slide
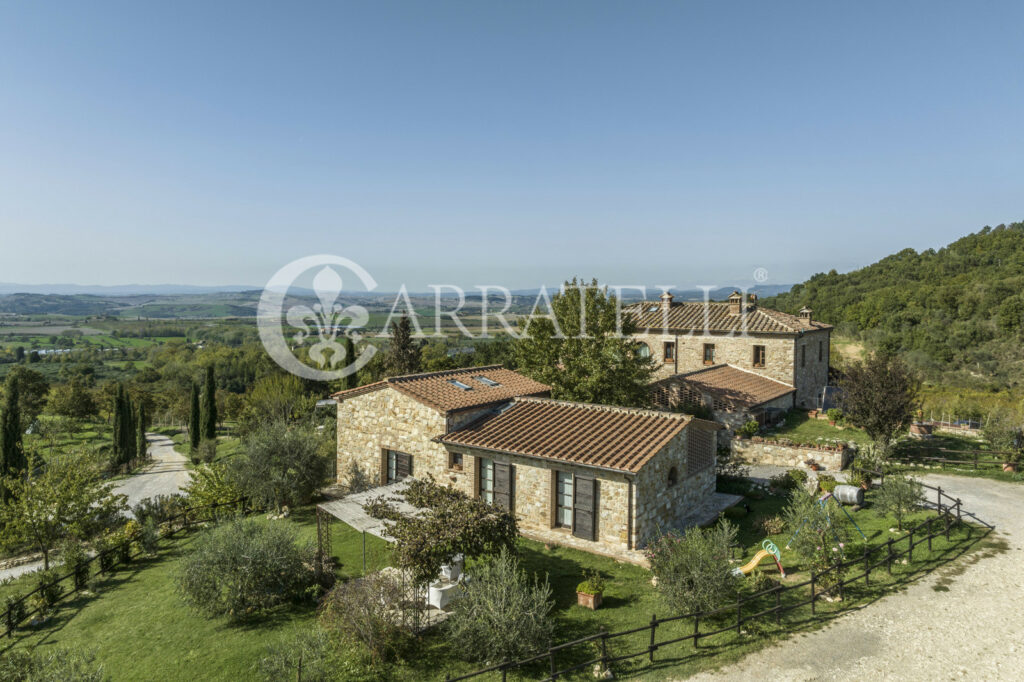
[752, 564]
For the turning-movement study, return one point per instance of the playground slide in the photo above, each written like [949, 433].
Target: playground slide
[752, 564]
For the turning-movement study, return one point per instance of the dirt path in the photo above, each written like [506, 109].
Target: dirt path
[961, 622]
[165, 476]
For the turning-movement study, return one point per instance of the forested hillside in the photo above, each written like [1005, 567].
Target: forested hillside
[957, 313]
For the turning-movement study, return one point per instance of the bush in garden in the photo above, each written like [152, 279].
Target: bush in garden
[246, 567]
[749, 429]
[149, 536]
[50, 589]
[503, 614]
[74, 557]
[368, 611]
[282, 465]
[208, 485]
[15, 610]
[693, 569]
[799, 477]
[310, 649]
[782, 481]
[827, 483]
[823, 534]
[899, 496]
[51, 665]
[160, 508]
[770, 525]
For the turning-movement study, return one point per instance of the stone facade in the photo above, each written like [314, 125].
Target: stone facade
[793, 456]
[630, 507]
[785, 359]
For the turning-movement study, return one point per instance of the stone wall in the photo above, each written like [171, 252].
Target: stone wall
[811, 377]
[382, 419]
[793, 456]
[659, 505]
[731, 349]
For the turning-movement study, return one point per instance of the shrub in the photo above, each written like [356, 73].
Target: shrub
[799, 477]
[369, 611]
[74, 557]
[210, 485]
[899, 496]
[823, 532]
[16, 610]
[834, 414]
[310, 649]
[282, 465]
[783, 481]
[49, 587]
[503, 614]
[693, 569]
[593, 583]
[770, 525]
[749, 429]
[57, 665]
[161, 508]
[857, 478]
[275, 568]
[734, 513]
[827, 483]
[149, 536]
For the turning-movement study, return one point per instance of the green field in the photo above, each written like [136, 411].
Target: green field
[801, 429]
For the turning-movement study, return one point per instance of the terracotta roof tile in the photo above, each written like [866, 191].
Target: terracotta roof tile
[689, 316]
[618, 438]
[733, 384]
[439, 390]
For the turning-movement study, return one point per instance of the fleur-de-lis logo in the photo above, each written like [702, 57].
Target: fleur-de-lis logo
[322, 322]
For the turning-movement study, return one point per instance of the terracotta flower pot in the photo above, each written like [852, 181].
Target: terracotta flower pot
[1010, 467]
[588, 601]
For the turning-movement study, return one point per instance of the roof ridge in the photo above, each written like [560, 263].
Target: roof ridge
[441, 373]
[597, 407]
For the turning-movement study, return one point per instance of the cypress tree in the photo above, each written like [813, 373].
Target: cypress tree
[117, 454]
[130, 450]
[351, 381]
[12, 455]
[140, 442]
[209, 416]
[194, 430]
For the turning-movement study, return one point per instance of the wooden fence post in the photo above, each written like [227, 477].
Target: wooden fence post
[778, 604]
[888, 545]
[910, 550]
[812, 592]
[551, 654]
[930, 534]
[938, 500]
[654, 625]
[959, 521]
[946, 519]
[696, 630]
[739, 613]
[504, 670]
[867, 567]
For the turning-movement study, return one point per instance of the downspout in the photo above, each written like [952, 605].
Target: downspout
[629, 513]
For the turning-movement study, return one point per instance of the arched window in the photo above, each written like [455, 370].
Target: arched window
[643, 350]
[673, 476]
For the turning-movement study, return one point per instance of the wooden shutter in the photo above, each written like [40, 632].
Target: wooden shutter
[403, 465]
[584, 507]
[503, 479]
[383, 467]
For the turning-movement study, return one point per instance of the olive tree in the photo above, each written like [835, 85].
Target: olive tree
[693, 569]
[283, 464]
[899, 496]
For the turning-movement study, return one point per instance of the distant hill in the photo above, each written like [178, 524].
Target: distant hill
[956, 313]
[117, 290]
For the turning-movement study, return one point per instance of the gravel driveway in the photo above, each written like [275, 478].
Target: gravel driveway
[165, 476]
[961, 622]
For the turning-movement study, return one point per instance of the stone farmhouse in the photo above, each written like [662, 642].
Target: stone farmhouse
[603, 479]
[740, 360]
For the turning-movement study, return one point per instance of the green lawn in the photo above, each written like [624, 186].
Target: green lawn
[801, 429]
[141, 630]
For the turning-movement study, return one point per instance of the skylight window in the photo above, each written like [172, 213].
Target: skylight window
[458, 384]
[653, 309]
[487, 382]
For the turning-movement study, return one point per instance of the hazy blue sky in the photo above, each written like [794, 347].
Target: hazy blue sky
[514, 143]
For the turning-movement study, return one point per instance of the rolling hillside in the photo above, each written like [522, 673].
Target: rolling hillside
[956, 313]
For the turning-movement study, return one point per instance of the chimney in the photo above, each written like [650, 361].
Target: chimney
[805, 314]
[666, 301]
[753, 301]
[735, 303]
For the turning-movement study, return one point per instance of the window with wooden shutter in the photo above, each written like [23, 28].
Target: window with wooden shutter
[397, 466]
[584, 507]
[504, 485]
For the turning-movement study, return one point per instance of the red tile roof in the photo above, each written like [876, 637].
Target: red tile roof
[617, 438]
[438, 390]
[689, 316]
[725, 382]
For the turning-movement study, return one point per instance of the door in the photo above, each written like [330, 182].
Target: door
[399, 466]
[584, 508]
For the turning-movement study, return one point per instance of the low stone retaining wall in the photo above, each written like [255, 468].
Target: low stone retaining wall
[793, 456]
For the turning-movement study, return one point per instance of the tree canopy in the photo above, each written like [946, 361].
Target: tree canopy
[583, 349]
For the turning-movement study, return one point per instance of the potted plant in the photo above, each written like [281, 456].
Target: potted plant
[812, 464]
[590, 592]
[834, 415]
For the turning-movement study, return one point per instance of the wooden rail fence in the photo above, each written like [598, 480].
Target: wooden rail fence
[949, 513]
